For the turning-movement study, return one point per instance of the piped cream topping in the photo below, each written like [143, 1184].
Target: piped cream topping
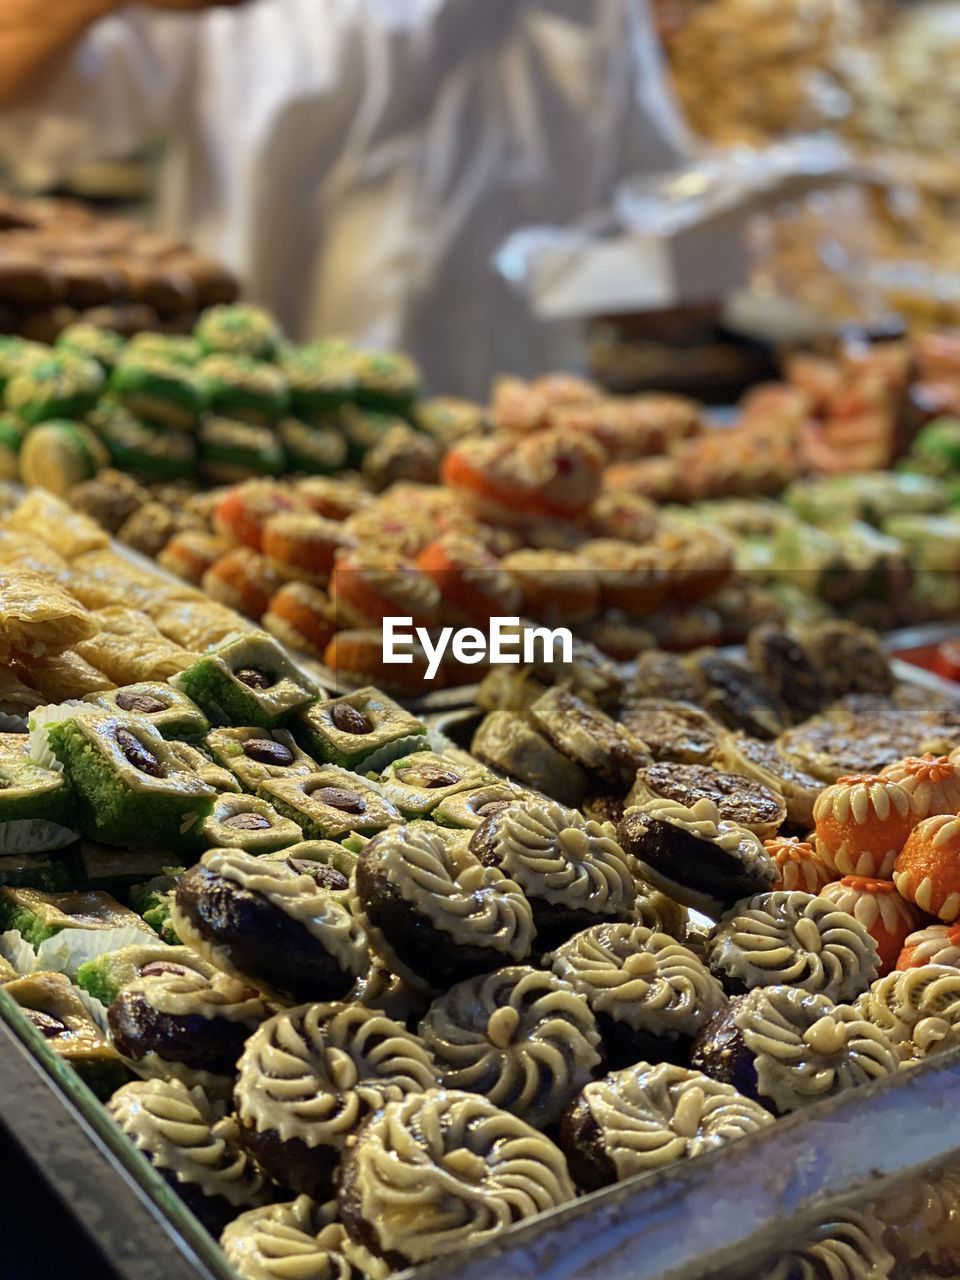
[858, 799]
[644, 979]
[795, 939]
[918, 1009]
[874, 903]
[521, 1037]
[317, 1071]
[179, 1130]
[931, 782]
[649, 1117]
[807, 1048]
[181, 995]
[937, 944]
[443, 1169]
[295, 1241]
[702, 819]
[847, 1247]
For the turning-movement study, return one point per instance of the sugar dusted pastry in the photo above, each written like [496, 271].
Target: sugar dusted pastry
[936, 944]
[861, 823]
[789, 1048]
[927, 868]
[649, 994]
[491, 1168]
[521, 1037]
[647, 1117]
[918, 1009]
[877, 905]
[300, 1240]
[38, 617]
[798, 864]
[308, 1079]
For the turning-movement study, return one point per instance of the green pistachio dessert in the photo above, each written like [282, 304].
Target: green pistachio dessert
[170, 712]
[331, 803]
[247, 681]
[358, 728]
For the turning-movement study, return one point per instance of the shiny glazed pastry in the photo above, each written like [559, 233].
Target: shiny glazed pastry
[787, 1048]
[649, 994]
[738, 799]
[918, 1009]
[861, 824]
[646, 1117]
[675, 731]
[510, 744]
[439, 1171]
[299, 1241]
[309, 1078]
[792, 939]
[876, 904]
[589, 737]
[521, 1037]
[767, 764]
[927, 868]
[798, 864]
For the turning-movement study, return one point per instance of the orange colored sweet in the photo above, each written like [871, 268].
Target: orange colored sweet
[191, 553]
[937, 944]
[302, 616]
[798, 864]
[242, 514]
[861, 823]
[887, 917]
[303, 546]
[243, 580]
[927, 869]
[369, 585]
[473, 585]
[358, 655]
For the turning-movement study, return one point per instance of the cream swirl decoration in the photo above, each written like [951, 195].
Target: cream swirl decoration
[794, 939]
[180, 1131]
[655, 910]
[931, 782]
[521, 1037]
[554, 853]
[649, 1117]
[644, 979]
[443, 881]
[937, 944]
[806, 1048]
[848, 1247]
[317, 1071]
[294, 1241]
[872, 902]
[921, 1215]
[702, 820]
[444, 1169]
[918, 1009]
[182, 995]
[321, 913]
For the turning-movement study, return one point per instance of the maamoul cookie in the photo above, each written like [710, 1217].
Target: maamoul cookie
[877, 905]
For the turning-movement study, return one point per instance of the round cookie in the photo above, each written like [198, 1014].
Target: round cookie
[647, 1117]
[571, 871]
[738, 799]
[57, 385]
[927, 868]
[936, 944]
[788, 1048]
[158, 390]
[847, 1246]
[435, 913]
[244, 389]
[876, 904]
[798, 864]
[490, 1168]
[766, 763]
[520, 1036]
[931, 782]
[239, 329]
[299, 1240]
[650, 995]
[265, 922]
[676, 731]
[796, 940]
[194, 1148]
[185, 1026]
[694, 856]
[917, 1009]
[310, 1076]
[861, 823]
[389, 994]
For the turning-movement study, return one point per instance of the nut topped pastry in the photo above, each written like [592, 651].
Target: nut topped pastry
[862, 822]
[310, 1076]
[649, 995]
[589, 737]
[645, 1117]
[673, 730]
[434, 912]
[193, 1145]
[918, 1009]
[440, 1171]
[267, 923]
[571, 870]
[694, 855]
[522, 1037]
[792, 939]
[787, 1048]
[738, 798]
[298, 1241]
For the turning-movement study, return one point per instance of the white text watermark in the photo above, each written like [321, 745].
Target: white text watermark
[507, 640]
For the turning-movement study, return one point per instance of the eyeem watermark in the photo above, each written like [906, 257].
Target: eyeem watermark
[508, 640]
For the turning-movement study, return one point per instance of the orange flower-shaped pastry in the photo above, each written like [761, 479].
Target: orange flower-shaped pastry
[861, 823]
[937, 944]
[886, 916]
[927, 869]
[799, 866]
[932, 782]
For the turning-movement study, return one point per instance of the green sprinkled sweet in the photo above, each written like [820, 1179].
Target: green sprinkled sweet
[52, 872]
[247, 681]
[143, 449]
[253, 754]
[153, 901]
[12, 435]
[939, 442]
[320, 377]
[230, 451]
[178, 348]
[38, 916]
[93, 343]
[249, 823]
[417, 784]
[159, 390]
[15, 354]
[106, 975]
[169, 711]
[365, 428]
[385, 380]
[238, 387]
[239, 329]
[130, 784]
[57, 385]
[315, 450]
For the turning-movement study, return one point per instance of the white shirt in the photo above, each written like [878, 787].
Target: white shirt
[358, 161]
